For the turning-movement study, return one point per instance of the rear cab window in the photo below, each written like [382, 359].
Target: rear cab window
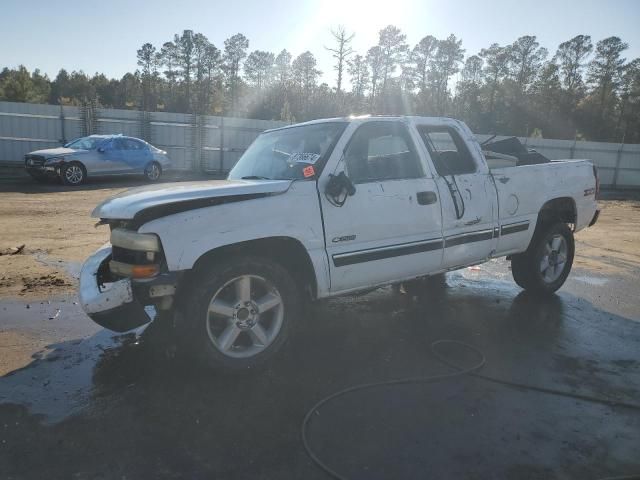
[449, 153]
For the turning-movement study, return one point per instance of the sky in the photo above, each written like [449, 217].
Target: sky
[103, 36]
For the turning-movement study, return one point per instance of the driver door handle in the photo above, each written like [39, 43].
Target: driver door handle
[426, 198]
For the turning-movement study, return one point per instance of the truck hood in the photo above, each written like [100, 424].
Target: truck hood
[55, 152]
[168, 198]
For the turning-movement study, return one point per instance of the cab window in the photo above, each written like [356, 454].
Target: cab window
[381, 151]
[448, 151]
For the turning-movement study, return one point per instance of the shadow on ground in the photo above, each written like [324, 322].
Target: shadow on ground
[25, 184]
[127, 406]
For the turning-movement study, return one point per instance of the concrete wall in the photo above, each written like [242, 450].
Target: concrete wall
[214, 144]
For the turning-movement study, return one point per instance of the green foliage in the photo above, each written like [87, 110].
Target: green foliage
[582, 91]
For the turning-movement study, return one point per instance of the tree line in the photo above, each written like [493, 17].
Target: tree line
[585, 90]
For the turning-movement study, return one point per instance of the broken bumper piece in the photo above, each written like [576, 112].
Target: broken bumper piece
[110, 305]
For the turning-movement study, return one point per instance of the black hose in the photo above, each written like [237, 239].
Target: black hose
[437, 378]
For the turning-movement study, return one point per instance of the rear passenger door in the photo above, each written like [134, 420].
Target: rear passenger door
[136, 154]
[469, 198]
[390, 229]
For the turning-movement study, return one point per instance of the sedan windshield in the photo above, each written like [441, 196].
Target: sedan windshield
[85, 143]
[283, 154]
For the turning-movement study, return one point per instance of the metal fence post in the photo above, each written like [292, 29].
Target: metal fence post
[63, 139]
[616, 173]
[221, 169]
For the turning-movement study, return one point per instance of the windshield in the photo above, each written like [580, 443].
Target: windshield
[283, 154]
[86, 143]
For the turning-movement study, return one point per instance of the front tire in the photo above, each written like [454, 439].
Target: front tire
[239, 313]
[546, 264]
[153, 171]
[73, 174]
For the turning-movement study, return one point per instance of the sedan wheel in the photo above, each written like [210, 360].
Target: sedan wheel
[73, 174]
[153, 172]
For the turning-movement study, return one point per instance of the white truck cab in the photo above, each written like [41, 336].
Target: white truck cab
[321, 209]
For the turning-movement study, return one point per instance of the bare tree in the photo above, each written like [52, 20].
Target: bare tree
[341, 51]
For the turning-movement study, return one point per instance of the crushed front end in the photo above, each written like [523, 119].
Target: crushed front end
[124, 276]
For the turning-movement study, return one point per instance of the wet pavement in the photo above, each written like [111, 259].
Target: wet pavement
[91, 404]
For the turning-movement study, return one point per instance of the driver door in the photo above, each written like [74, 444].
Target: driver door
[390, 229]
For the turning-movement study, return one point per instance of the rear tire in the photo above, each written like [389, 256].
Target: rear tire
[73, 174]
[238, 313]
[546, 264]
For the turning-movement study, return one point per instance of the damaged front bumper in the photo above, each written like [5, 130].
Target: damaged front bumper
[112, 305]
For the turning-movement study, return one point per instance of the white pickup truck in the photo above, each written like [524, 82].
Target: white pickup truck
[322, 209]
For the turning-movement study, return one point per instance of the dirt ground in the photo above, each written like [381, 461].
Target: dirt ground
[78, 401]
[55, 227]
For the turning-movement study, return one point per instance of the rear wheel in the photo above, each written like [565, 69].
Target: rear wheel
[546, 264]
[73, 174]
[239, 313]
[153, 171]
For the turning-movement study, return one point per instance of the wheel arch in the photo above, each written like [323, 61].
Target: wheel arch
[287, 251]
[561, 209]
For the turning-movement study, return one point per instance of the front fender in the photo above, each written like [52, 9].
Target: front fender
[187, 236]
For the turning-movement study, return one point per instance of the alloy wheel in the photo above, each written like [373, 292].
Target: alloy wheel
[244, 316]
[73, 174]
[554, 258]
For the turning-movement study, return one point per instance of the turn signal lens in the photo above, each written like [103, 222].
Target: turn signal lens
[144, 271]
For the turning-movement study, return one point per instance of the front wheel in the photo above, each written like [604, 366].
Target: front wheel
[546, 264]
[239, 312]
[153, 171]
[73, 174]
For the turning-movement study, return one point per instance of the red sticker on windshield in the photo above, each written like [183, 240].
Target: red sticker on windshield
[308, 171]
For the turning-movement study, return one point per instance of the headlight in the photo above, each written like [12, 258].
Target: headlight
[54, 160]
[135, 255]
[141, 242]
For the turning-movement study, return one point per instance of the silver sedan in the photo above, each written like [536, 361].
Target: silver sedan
[97, 155]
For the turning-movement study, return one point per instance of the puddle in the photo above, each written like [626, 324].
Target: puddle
[596, 281]
[54, 373]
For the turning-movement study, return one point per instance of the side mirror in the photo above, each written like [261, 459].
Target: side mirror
[338, 184]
